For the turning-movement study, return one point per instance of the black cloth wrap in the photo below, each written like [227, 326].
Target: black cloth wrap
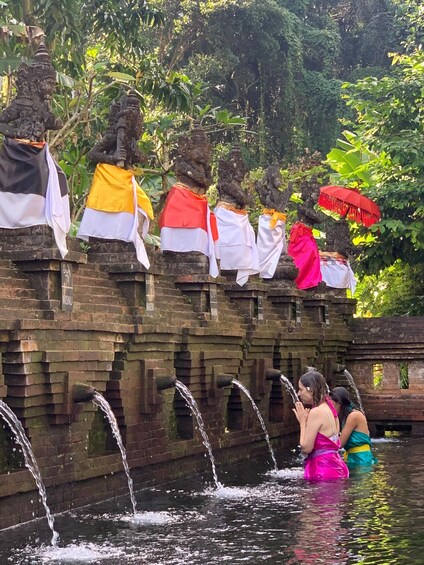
[24, 169]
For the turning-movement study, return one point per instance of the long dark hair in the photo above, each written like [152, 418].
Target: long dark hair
[317, 385]
[341, 395]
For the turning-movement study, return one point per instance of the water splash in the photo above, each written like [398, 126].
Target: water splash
[355, 389]
[104, 405]
[256, 409]
[192, 404]
[30, 462]
[290, 388]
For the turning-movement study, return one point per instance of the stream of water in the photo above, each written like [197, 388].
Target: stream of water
[261, 420]
[30, 462]
[376, 517]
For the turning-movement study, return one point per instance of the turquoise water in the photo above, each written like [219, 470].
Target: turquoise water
[375, 517]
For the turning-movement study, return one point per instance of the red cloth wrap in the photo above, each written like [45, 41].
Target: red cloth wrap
[186, 209]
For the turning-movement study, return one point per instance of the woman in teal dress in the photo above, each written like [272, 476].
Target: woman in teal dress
[354, 435]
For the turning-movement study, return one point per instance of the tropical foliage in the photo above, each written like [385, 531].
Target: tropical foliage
[282, 78]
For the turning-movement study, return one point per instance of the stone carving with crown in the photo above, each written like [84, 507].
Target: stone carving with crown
[302, 245]
[271, 241]
[187, 225]
[237, 246]
[29, 115]
[117, 208]
[33, 188]
[119, 143]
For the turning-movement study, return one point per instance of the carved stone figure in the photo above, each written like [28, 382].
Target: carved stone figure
[302, 245]
[119, 143]
[188, 228]
[29, 115]
[338, 238]
[193, 160]
[237, 245]
[306, 212]
[269, 190]
[117, 208]
[231, 173]
[33, 188]
[271, 239]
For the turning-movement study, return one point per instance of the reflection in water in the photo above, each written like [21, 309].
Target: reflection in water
[319, 530]
[376, 517]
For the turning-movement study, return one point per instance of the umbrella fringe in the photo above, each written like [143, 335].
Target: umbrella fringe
[346, 210]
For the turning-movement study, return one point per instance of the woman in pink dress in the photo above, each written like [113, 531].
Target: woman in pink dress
[319, 430]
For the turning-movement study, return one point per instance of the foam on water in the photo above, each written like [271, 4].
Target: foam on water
[76, 554]
[230, 493]
[150, 518]
[384, 440]
[294, 473]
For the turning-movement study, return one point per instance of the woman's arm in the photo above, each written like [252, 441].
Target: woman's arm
[350, 425]
[310, 423]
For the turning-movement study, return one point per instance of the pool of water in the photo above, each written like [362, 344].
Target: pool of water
[375, 517]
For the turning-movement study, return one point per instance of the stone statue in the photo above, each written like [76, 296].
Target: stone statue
[193, 160]
[188, 228]
[269, 190]
[29, 115]
[338, 238]
[119, 143]
[231, 173]
[271, 239]
[117, 208]
[335, 259]
[237, 245]
[306, 212]
[33, 188]
[302, 245]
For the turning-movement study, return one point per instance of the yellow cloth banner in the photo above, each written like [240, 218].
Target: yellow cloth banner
[275, 216]
[112, 191]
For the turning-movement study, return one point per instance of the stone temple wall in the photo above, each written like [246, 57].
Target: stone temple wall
[386, 359]
[101, 319]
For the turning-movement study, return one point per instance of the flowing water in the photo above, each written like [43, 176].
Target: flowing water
[290, 388]
[355, 389]
[30, 462]
[261, 420]
[104, 405]
[192, 404]
[376, 517]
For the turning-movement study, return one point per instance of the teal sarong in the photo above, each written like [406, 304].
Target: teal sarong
[358, 450]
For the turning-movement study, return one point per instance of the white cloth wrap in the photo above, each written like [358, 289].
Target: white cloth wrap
[271, 243]
[57, 211]
[237, 246]
[338, 274]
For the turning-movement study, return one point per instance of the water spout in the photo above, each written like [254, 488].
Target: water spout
[104, 405]
[162, 383]
[224, 380]
[256, 409]
[30, 462]
[82, 392]
[192, 404]
[355, 389]
[275, 374]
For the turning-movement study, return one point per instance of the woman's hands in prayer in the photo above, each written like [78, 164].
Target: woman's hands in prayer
[301, 412]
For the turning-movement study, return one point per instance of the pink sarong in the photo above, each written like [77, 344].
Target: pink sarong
[324, 462]
[304, 250]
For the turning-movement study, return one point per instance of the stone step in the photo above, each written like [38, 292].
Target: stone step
[16, 292]
[20, 304]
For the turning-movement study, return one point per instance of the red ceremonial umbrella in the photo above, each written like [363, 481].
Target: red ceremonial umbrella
[349, 204]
